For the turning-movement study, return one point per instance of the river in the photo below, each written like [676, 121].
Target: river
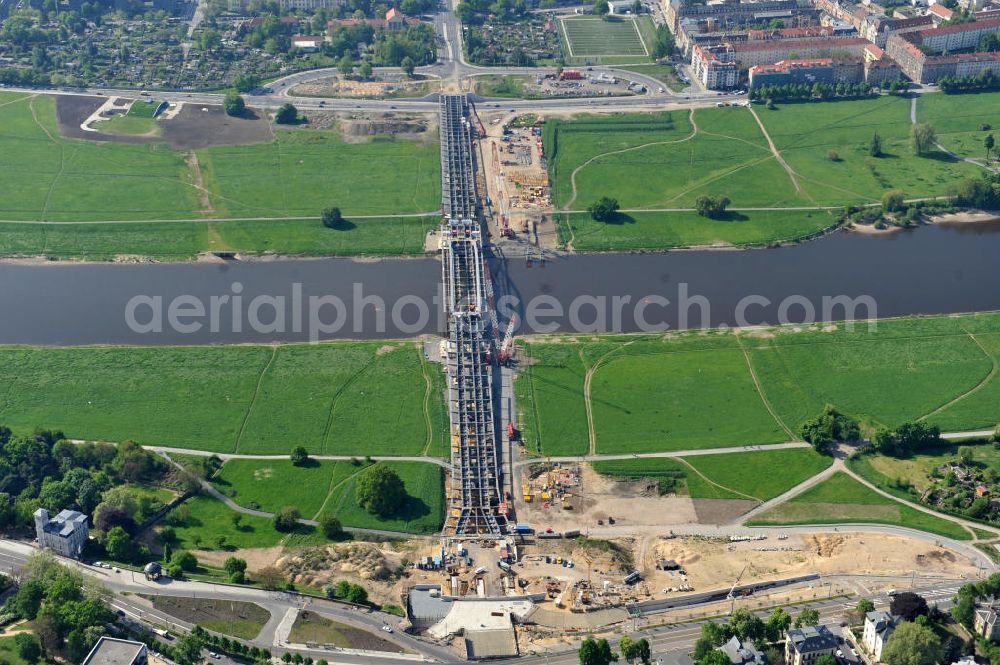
[937, 269]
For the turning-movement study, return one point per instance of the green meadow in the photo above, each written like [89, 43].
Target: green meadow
[336, 399]
[842, 500]
[695, 390]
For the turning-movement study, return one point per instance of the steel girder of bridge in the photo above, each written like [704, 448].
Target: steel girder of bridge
[476, 478]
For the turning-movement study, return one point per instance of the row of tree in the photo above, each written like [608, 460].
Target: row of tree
[981, 82]
[803, 92]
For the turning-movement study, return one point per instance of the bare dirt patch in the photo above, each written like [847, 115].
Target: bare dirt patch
[389, 86]
[310, 627]
[194, 126]
[359, 128]
[721, 511]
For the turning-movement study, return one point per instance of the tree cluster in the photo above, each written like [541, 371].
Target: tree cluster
[830, 427]
[746, 625]
[804, 92]
[346, 591]
[983, 193]
[711, 207]
[982, 82]
[906, 439]
[69, 615]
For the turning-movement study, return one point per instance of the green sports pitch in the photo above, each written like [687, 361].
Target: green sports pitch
[592, 36]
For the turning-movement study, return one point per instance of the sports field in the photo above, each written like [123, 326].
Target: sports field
[696, 390]
[327, 488]
[744, 476]
[594, 36]
[657, 165]
[52, 178]
[840, 499]
[338, 399]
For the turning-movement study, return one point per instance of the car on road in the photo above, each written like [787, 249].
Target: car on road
[387, 628]
[214, 655]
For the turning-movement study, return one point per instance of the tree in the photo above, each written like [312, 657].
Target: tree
[826, 659]
[833, 155]
[187, 561]
[596, 652]
[356, 594]
[287, 114]
[966, 454]
[893, 201]
[332, 218]
[875, 146]
[912, 644]
[365, 70]
[331, 527]
[234, 565]
[601, 7]
[380, 491]
[300, 456]
[864, 606]
[747, 625]
[988, 143]
[408, 66]
[346, 66]
[187, 650]
[28, 599]
[777, 624]
[286, 519]
[625, 646]
[604, 209]
[118, 544]
[27, 647]
[714, 657]
[922, 138]
[711, 207]
[908, 605]
[807, 617]
[233, 104]
[246, 82]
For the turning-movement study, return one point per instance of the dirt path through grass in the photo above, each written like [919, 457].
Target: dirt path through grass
[760, 391]
[199, 183]
[986, 380]
[428, 388]
[253, 400]
[777, 154]
[591, 432]
[572, 177]
[333, 403]
[715, 484]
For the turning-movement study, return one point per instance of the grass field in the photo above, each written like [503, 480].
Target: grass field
[341, 398]
[141, 108]
[841, 499]
[327, 488]
[310, 627]
[8, 652]
[959, 119]
[52, 178]
[594, 36]
[228, 617]
[664, 73]
[742, 476]
[664, 230]
[129, 125]
[723, 152]
[184, 240]
[695, 390]
[206, 519]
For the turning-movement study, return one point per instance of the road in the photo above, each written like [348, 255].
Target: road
[664, 639]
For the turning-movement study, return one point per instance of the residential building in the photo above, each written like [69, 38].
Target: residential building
[619, 7]
[939, 13]
[114, 651]
[65, 534]
[804, 645]
[749, 54]
[915, 51]
[879, 626]
[985, 622]
[715, 66]
[307, 43]
[242, 6]
[743, 653]
[808, 70]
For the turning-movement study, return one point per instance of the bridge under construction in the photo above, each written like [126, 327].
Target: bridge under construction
[477, 505]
